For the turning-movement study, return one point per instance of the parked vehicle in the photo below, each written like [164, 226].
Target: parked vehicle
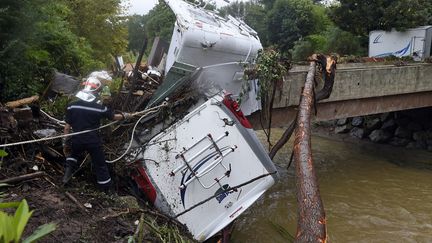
[414, 42]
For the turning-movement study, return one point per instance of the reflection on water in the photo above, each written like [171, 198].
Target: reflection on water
[371, 193]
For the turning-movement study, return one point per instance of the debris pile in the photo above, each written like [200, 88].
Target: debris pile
[33, 168]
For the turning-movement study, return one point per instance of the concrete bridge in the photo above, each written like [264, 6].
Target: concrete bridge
[360, 89]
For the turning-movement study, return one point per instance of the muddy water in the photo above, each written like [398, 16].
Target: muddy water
[371, 194]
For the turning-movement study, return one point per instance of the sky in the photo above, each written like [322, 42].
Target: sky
[143, 6]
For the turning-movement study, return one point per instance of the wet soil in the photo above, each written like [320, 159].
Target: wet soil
[94, 217]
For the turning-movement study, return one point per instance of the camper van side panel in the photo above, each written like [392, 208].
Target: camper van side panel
[396, 43]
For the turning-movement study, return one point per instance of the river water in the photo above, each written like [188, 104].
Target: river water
[371, 193]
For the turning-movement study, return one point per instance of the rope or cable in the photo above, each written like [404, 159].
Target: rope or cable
[61, 123]
[55, 137]
[132, 137]
[81, 132]
[225, 191]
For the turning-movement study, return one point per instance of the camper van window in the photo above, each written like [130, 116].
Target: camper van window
[203, 17]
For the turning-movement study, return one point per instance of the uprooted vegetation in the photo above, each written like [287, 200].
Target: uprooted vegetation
[33, 171]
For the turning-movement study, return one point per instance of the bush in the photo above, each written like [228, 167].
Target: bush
[342, 42]
[310, 45]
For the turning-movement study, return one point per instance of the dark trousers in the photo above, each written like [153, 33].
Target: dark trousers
[96, 152]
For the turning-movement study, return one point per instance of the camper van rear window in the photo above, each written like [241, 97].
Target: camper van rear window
[203, 17]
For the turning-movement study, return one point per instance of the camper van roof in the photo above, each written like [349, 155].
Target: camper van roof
[189, 15]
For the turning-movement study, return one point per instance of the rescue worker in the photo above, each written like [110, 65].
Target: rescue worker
[85, 114]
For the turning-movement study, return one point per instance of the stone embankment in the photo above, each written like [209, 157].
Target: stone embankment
[410, 129]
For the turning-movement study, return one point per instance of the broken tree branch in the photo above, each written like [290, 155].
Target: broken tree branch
[74, 200]
[311, 225]
[327, 68]
[25, 101]
[22, 178]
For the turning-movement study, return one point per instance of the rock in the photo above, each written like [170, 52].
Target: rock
[386, 116]
[389, 125]
[342, 121]
[325, 123]
[411, 145]
[379, 136]
[403, 133]
[357, 132]
[373, 124]
[419, 136]
[414, 126]
[421, 144]
[357, 121]
[400, 142]
[342, 129]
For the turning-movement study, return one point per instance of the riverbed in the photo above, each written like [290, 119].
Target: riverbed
[371, 193]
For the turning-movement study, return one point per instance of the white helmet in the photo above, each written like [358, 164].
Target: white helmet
[91, 86]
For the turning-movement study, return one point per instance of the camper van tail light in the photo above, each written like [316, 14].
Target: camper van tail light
[235, 109]
[140, 177]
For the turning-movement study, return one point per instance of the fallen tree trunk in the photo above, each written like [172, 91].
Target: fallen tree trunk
[311, 225]
[25, 101]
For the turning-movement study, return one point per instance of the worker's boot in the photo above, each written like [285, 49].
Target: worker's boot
[68, 173]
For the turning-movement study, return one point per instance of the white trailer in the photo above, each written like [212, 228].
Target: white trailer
[414, 42]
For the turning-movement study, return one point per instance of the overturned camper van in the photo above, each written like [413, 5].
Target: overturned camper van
[207, 167]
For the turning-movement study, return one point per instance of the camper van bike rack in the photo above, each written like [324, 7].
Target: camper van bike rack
[188, 163]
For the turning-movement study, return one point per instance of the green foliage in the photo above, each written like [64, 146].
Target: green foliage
[57, 107]
[12, 226]
[39, 36]
[290, 20]
[3, 153]
[310, 45]
[269, 69]
[136, 32]
[102, 24]
[360, 17]
[159, 22]
[343, 43]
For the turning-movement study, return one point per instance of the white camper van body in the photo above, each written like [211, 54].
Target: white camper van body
[401, 43]
[219, 46]
[188, 166]
[202, 38]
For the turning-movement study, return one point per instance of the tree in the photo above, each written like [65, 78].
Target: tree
[360, 17]
[136, 32]
[39, 36]
[159, 22]
[102, 24]
[289, 21]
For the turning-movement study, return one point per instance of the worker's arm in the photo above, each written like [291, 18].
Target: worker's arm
[118, 117]
[122, 116]
[67, 128]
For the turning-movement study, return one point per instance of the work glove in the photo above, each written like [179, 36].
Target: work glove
[126, 115]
